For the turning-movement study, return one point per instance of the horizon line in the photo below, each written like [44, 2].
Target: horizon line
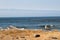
[32, 16]
[29, 9]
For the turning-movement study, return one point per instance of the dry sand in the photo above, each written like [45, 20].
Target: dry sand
[15, 34]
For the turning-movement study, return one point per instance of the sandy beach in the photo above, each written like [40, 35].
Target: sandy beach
[16, 34]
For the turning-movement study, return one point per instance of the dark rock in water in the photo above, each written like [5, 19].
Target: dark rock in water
[48, 27]
[42, 26]
[21, 27]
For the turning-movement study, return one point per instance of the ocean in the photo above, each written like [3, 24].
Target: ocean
[30, 22]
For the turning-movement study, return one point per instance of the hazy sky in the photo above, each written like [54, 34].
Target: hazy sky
[29, 5]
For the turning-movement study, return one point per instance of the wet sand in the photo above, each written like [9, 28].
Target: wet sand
[16, 34]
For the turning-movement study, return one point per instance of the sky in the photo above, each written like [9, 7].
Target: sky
[10, 5]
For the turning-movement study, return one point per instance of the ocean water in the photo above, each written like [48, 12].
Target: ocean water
[30, 22]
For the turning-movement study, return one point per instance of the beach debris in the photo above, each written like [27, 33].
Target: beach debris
[21, 29]
[36, 35]
[54, 37]
[11, 27]
[22, 37]
[17, 37]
